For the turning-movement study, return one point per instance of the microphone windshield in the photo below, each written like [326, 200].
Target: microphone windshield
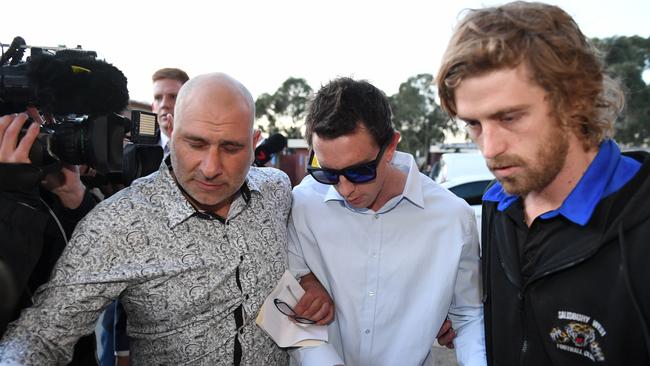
[77, 84]
[272, 145]
[275, 143]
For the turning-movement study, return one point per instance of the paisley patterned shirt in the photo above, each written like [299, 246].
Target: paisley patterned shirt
[182, 276]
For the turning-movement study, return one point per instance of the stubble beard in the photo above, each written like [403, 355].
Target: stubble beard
[541, 171]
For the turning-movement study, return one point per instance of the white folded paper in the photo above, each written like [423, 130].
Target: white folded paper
[282, 330]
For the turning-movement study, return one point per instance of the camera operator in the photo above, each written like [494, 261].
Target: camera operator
[36, 217]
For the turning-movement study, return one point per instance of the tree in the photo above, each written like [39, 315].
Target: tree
[626, 58]
[264, 108]
[287, 107]
[417, 117]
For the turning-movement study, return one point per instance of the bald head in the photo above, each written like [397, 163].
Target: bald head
[216, 89]
[213, 140]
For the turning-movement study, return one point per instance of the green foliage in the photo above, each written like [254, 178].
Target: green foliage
[264, 107]
[422, 123]
[288, 102]
[626, 59]
[417, 116]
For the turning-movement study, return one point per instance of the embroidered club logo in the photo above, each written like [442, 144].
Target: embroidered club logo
[579, 334]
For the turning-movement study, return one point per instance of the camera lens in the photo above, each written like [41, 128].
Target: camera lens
[71, 142]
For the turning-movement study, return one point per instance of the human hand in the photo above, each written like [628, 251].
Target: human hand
[446, 335]
[316, 304]
[67, 185]
[11, 150]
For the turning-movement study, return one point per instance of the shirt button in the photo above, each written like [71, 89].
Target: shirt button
[371, 293]
[367, 331]
[374, 254]
[376, 216]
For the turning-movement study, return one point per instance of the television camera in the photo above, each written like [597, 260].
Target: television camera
[81, 97]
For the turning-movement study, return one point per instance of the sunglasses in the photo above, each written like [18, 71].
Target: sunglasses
[360, 173]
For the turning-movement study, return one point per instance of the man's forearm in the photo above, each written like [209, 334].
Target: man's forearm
[466, 311]
[470, 340]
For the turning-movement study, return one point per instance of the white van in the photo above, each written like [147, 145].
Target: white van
[460, 165]
[466, 175]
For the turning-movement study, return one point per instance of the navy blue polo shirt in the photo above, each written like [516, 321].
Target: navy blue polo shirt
[607, 173]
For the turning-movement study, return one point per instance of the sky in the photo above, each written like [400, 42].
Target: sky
[262, 43]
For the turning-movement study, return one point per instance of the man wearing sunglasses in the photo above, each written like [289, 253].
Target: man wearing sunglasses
[397, 253]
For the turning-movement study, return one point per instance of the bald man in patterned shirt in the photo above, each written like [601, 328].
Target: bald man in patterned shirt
[191, 251]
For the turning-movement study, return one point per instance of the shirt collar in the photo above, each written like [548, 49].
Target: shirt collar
[607, 173]
[177, 208]
[412, 188]
[164, 140]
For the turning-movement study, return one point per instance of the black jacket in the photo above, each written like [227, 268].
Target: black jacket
[587, 300]
[31, 242]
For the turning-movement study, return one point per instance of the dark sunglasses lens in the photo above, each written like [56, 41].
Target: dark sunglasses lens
[325, 176]
[361, 174]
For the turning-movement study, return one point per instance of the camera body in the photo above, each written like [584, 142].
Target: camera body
[81, 140]
[82, 97]
[142, 153]
[114, 146]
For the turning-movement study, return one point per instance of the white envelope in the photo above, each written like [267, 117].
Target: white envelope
[279, 327]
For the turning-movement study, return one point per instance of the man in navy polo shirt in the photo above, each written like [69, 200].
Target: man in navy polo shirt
[566, 239]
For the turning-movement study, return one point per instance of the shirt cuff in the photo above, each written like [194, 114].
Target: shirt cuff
[323, 355]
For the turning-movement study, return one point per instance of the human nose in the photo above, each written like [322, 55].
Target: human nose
[211, 164]
[345, 187]
[491, 141]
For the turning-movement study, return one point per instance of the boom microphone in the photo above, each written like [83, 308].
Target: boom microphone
[272, 145]
[68, 82]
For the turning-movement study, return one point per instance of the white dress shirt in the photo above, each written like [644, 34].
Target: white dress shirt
[164, 143]
[394, 274]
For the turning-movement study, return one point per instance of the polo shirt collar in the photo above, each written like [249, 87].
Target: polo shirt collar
[606, 174]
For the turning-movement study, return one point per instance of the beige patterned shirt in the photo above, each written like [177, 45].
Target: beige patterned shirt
[180, 275]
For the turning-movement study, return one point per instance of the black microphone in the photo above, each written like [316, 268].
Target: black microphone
[273, 144]
[72, 82]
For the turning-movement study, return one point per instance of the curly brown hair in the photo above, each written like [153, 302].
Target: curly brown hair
[558, 56]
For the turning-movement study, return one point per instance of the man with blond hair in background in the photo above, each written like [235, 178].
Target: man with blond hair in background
[565, 226]
[166, 84]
